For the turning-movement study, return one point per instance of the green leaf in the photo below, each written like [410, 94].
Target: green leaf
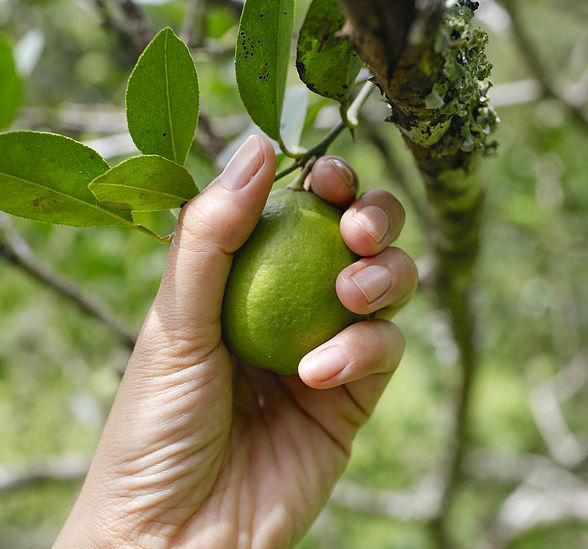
[10, 85]
[44, 176]
[145, 183]
[326, 62]
[261, 60]
[163, 98]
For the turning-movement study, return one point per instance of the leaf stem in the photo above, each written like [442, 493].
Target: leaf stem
[298, 183]
[322, 146]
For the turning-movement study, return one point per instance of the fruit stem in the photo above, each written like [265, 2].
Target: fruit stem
[298, 183]
[322, 146]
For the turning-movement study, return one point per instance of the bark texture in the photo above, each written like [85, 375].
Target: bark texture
[430, 64]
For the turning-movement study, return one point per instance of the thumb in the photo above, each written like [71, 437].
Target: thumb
[211, 227]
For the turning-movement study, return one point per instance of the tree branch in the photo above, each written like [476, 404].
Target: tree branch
[431, 66]
[15, 250]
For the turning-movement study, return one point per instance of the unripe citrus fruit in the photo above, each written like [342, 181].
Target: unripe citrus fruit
[280, 300]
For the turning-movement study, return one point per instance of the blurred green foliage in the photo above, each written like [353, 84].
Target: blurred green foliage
[58, 366]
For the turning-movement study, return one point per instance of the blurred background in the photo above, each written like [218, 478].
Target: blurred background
[71, 300]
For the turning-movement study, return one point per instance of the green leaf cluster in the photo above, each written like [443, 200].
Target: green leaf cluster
[54, 179]
[326, 62]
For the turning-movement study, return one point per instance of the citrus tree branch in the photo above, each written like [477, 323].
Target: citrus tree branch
[15, 250]
[323, 145]
[431, 67]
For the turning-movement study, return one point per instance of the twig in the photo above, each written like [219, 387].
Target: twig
[322, 146]
[536, 65]
[15, 250]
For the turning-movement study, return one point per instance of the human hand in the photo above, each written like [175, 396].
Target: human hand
[201, 450]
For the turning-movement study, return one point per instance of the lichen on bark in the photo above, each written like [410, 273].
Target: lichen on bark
[435, 79]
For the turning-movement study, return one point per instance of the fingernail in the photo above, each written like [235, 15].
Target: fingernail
[325, 364]
[344, 170]
[373, 281]
[243, 166]
[374, 220]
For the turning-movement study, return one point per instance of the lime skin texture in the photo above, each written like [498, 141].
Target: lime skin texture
[280, 300]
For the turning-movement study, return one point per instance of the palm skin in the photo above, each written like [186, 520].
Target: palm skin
[201, 450]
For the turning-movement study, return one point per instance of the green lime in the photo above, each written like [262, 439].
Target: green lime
[280, 300]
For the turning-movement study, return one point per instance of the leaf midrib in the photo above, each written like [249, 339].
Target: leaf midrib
[142, 189]
[69, 196]
[168, 100]
[279, 100]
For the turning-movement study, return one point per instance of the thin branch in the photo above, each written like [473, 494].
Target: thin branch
[537, 66]
[15, 250]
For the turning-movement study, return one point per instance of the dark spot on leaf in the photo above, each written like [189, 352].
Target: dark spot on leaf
[259, 41]
[164, 134]
[44, 205]
[261, 14]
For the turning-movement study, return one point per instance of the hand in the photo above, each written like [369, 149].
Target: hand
[202, 451]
